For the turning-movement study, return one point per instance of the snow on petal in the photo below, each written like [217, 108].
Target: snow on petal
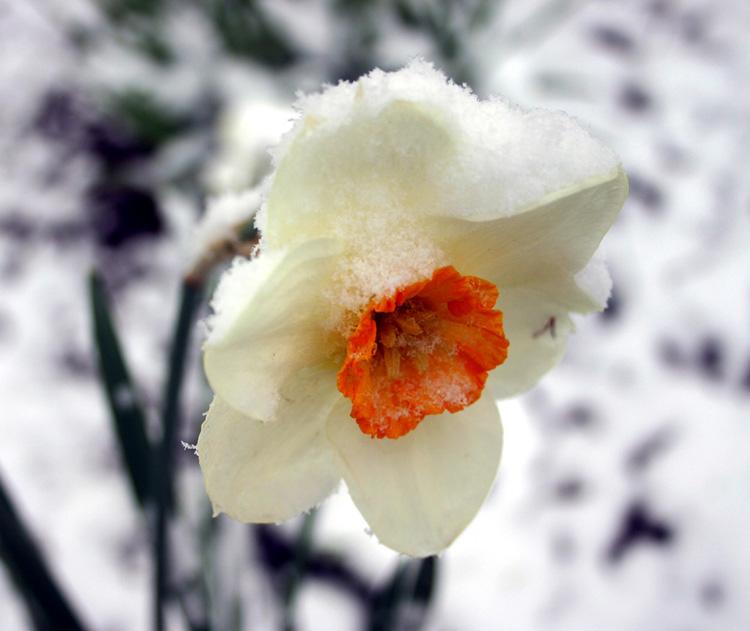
[419, 492]
[265, 472]
[518, 156]
[366, 183]
[268, 326]
[369, 162]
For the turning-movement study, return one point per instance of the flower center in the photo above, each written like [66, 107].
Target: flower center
[424, 350]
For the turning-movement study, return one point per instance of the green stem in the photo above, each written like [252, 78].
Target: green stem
[163, 465]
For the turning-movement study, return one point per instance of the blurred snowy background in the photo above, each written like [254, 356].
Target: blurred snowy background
[623, 500]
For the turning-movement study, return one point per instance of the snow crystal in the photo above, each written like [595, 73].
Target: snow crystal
[191, 447]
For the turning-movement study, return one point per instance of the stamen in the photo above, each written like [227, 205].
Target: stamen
[392, 361]
[387, 333]
[407, 323]
[421, 361]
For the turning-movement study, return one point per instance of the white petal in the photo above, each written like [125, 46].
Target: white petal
[543, 246]
[265, 472]
[269, 327]
[537, 329]
[418, 492]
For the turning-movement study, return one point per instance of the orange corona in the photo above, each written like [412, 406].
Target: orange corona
[426, 349]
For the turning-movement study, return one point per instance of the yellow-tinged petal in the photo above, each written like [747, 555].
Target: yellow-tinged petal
[419, 492]
[332, 176]
[537, 329]
[541, 245]
[539, 260]
[266, 472]
[261, 344]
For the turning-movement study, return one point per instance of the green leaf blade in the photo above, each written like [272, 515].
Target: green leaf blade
[127, 414]
[47, 605]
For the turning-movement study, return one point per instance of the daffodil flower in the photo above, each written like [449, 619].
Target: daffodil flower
[421, 253]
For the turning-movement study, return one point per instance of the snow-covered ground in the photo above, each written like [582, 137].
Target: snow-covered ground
[623, 498]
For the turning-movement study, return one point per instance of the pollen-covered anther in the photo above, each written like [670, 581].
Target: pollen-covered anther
[424, 350]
